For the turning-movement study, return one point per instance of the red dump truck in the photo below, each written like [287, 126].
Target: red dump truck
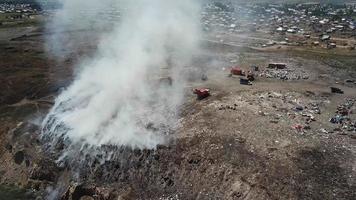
[237, 71]
[202, 93]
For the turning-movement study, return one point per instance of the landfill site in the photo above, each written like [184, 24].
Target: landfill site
[268, 108]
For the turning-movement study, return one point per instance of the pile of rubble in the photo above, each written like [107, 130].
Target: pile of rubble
[343, 116]
[290, 108]
[228, 107]
[306, 115]
[284, 74]
[295, 109]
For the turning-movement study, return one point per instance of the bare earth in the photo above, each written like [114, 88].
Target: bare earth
[239, 143]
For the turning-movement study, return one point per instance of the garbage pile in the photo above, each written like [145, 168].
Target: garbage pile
[305, 115]
[296, 110]
[343, 115]
[291, 108]
[281, 71]
[284, 74]
[228, 107]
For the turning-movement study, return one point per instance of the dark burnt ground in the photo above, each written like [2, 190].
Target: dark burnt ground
[322, 175]
[190, 168]
[23, 73]
[218, 168]
[29, 80]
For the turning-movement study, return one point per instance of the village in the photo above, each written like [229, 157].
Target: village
[18, 14]
[327, 26]
[16, 8]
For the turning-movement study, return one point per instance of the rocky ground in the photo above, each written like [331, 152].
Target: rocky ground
[269, 140]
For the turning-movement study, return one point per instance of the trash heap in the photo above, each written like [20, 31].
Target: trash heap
[284, 74]
[228, 107]
[291, 108]
[343, 116]
[305, 115]
[299, 113]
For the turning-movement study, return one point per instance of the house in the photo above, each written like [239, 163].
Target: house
[325, 37]
[291, 30]
[331, 46]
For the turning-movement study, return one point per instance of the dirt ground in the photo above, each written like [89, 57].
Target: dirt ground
[268, 140]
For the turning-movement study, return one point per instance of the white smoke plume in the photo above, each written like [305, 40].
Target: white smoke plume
[117, 97]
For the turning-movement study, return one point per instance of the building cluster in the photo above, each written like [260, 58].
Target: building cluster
[17, 8]
[313, 18]
[315, 22]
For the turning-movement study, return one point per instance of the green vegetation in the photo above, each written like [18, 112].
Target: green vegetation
[328, 57]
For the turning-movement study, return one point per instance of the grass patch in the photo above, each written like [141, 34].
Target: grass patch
[327, 57]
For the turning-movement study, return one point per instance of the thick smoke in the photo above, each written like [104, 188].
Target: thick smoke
[122, 96]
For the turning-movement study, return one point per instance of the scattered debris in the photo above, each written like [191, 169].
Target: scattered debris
[250, 76]
[284, 74]
[336, 90]
[277, 66]
[298, 127]
[255, 68]
[343, 116]
[228, 107]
